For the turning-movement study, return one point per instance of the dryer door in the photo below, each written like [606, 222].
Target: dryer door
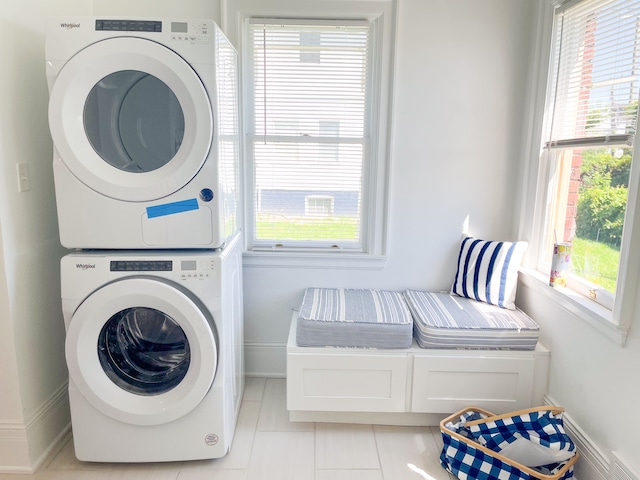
[131, 119]
[141, 351]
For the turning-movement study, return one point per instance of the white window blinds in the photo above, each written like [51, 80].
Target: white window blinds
[309, 132]
[595, 84]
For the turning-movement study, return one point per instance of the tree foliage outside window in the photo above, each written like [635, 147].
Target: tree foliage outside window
[604, 179]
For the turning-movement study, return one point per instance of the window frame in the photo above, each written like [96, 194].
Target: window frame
[253, 138]
[613, 321]
[381, 15]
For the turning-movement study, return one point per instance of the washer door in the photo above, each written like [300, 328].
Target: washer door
[141, 351]
[131, 119]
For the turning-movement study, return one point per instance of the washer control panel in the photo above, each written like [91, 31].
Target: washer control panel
[187, 269]
[141, 265]
[196, 269]
[129, 25]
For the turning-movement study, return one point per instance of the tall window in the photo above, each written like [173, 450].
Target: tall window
[591, 120]
[308, 133]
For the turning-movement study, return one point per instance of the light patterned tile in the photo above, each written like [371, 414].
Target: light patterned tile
[437, 437]
[267, 446]
[349, 475]
[213, 475]
[253, 389]
[240, 453]
[282, 456]
[107, 474]
[409, 453]
[65, 461]
[340, 446]
[274, 416]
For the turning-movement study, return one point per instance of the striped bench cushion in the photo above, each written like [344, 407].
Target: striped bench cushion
[342, 317]
[442, 320]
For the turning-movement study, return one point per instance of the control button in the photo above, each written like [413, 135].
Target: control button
[206, 194]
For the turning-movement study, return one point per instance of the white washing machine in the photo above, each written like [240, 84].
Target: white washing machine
[154, 348]
[144, 120]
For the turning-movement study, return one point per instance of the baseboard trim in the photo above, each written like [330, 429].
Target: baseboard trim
[49, 425]
[24, 447]
[265, 359]
[593, 463]
[14, 449]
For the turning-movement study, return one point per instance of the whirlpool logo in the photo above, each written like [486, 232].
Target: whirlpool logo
[85, 266]
[69, 26]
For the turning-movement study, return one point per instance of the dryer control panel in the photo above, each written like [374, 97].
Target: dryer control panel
[194, 32]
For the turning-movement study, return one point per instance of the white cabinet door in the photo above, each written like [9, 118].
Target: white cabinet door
[346, 383]
[446, 383]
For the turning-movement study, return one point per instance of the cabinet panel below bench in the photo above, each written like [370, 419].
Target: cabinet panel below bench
[448, 382]
[337, 382]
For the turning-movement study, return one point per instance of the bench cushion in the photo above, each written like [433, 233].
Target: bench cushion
[442, 320]
[342, 317]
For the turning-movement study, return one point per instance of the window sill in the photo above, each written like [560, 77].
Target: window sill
[289, 259]
[583, 308]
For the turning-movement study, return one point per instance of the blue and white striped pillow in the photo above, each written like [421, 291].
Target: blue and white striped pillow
[488, 271]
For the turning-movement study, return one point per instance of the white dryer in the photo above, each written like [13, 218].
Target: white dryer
[154, 348]
[144, 120]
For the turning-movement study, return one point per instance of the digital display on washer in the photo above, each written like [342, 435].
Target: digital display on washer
[179, 27]
[141, 265]
[187, 265]
[129, 25]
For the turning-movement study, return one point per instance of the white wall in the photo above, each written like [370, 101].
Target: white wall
[33, 407]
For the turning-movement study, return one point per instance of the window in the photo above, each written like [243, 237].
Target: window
[319, 205]
[309, 150]
[590, 126]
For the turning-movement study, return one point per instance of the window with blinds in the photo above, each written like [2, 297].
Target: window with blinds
[595, 80]
[308, 132]
[592, 114]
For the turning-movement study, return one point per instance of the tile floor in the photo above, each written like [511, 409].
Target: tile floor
[267, 446]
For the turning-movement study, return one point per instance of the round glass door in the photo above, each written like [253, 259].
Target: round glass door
[131, 119]
[143, 351]
[134, 121]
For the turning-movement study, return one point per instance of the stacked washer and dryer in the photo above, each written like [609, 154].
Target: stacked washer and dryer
[144, 119]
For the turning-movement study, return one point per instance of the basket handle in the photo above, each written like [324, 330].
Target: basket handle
[491, 418]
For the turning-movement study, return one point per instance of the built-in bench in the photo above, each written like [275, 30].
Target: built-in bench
[413, 386]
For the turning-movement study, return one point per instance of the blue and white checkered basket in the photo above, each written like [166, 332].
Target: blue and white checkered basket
[475, 442]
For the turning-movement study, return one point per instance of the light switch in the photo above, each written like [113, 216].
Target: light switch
[24, 179]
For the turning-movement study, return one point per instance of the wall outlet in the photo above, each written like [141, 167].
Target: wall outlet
[24, 179]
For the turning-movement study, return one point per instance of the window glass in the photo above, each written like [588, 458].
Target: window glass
[309, 132]
[590, 191]
[134, 121]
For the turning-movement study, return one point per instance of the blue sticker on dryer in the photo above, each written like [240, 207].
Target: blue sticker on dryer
[172, 208]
